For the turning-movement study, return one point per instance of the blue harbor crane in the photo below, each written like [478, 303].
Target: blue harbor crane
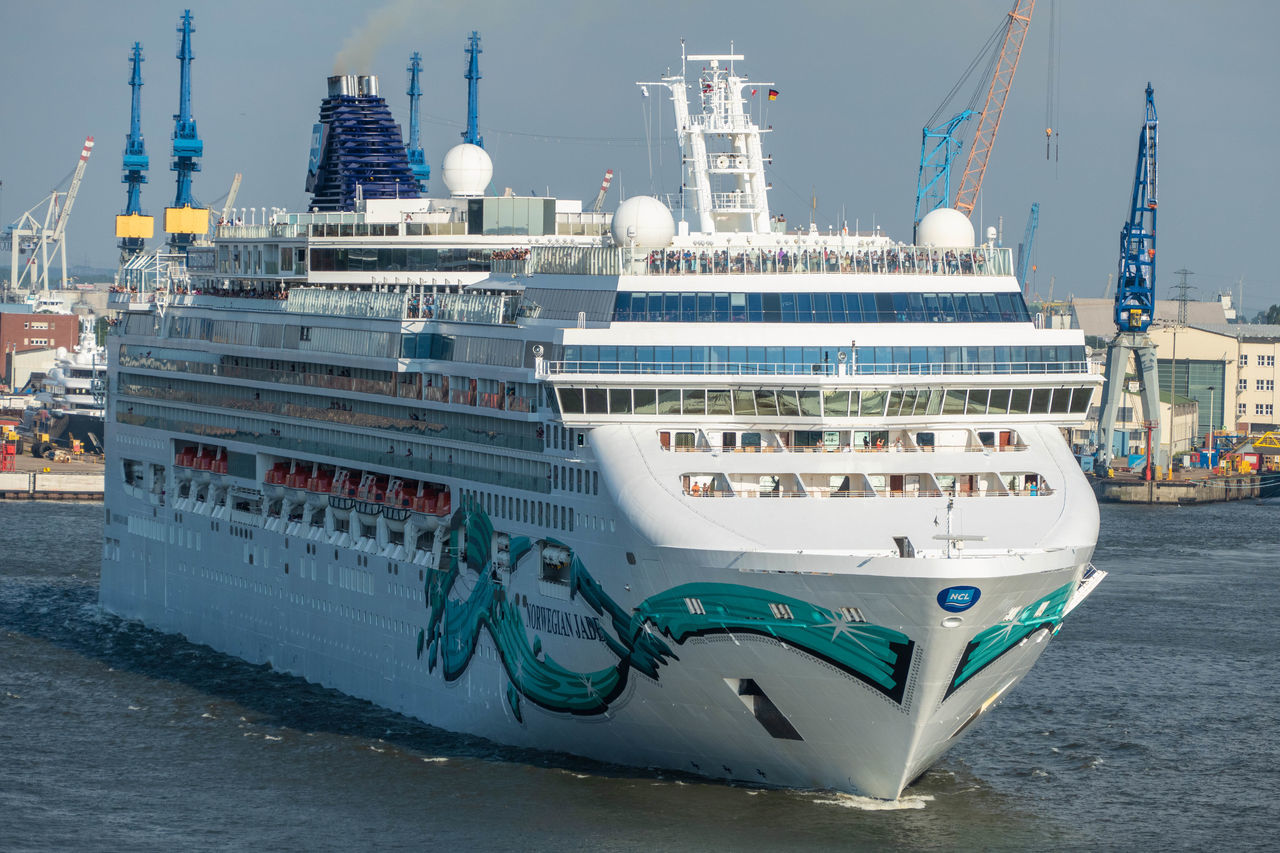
[136, 162]
[472, 133]
[1136, 298]
[1028, 240]
[417, 159]
[187, 145]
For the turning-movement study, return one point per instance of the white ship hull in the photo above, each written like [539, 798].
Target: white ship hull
[814, 713]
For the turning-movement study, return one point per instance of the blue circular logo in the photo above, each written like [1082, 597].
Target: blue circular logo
[956, 599]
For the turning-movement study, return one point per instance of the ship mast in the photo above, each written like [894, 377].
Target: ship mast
[720, 147]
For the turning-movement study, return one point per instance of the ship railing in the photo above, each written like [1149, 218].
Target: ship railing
[740, 368]
[726, 368]
[855, 493]
[250, 232]
[850, 448]
[816, 260]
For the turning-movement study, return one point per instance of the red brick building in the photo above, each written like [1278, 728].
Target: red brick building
[23, 332]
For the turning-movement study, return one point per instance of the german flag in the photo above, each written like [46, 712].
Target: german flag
[773, 94]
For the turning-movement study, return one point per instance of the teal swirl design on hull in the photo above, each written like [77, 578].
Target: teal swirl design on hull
[879, 657]
[989, 645]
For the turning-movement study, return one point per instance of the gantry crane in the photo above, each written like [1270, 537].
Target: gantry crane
[1135, 295]
[417, 158]
[184, 221]
[132, 227]
[933, 185]
[1028, 240]
[472, 133]
[40, 238]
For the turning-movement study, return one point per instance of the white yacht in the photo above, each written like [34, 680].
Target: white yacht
[72, 394]
[788, 508]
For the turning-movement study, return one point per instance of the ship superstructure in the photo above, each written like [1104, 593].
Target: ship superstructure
[788, 508]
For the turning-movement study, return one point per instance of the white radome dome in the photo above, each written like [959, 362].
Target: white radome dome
[642, 220]
[467, 170]
[60, 353]
[945, 228]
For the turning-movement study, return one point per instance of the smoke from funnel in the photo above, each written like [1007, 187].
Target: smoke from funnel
[360, 47]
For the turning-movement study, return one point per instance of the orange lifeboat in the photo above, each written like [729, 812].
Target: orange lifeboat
[219, 463]
[297, 477]
[204, 461]
[397, 496]
[320, 481]
[277, 474]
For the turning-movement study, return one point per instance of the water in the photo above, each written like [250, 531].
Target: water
[1151, 719]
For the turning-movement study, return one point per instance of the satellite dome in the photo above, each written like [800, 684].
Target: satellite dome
[60, 353]
[945, 227]
[467, 170]
[642, 220]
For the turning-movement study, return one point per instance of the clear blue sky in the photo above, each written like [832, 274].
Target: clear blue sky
[559, 106]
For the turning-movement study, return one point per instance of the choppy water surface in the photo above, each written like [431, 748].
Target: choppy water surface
[1151, 719]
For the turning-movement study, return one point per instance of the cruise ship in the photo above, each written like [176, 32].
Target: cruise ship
[672, 490]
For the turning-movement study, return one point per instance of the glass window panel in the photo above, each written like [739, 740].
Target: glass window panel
[1061, 401]
[811, 404]
[744, 401]
[835, 404]
[654, 307]
[977, 402]
[1040, 401]
[853, 308]
[722, 307]
[772, 307]
[804, 307]
[646, 401]
[884, 308]
[787, 405]
[751, 439]
[895, 403]
[1080, 399]
[755, 308]
[695, 401]
[718, 402]
[688, 307]
[597, 401]
[1019, 401]
[915, 308]
[620, 401]
[935, 401]
[766, 403]
[991, 308]
[738, 307]
[999, 404]
[954, 402]
[788, 307]
[873, 404]
[668, 401]
[570, 400]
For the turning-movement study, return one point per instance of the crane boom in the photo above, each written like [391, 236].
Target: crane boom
[1024, 248]
[1136, 283]
[231, 197]
[413, 148]
[65, 213]
[604, 188]
[472, 133]
[997, 95]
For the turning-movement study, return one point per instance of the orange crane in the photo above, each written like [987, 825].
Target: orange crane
[997, 94]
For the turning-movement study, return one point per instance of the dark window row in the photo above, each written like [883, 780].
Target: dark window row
[798, 307]
[370, 259]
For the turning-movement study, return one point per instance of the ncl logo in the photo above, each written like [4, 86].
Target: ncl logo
[955, 599]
